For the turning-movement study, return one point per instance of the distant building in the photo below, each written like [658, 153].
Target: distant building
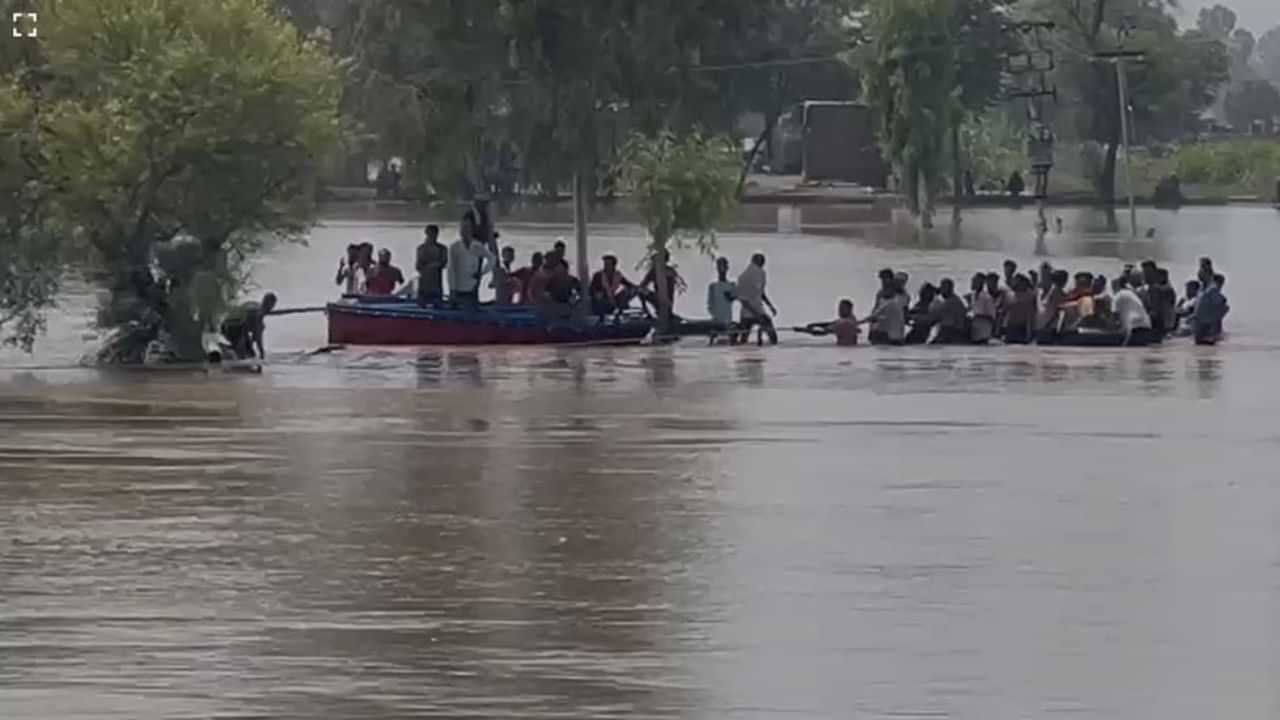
[833, 141]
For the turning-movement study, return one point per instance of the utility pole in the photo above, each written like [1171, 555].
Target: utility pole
[1122, 82]
[1035, 63]
[1118, 57]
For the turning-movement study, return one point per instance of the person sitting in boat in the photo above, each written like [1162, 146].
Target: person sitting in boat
[1211, 309]
[921, 317]
[561, 292]
[753, 298]
[1010, 271]
[1094, 312]
[999, 296]
[1186, 307]
[950, 315]
[385, 277]
[721, 294]
[244, 328]
[611, 292]
[1131, 314]
[469, 260]
[1205, 273]
[1052, 300]
[1162, 302]
[982, 307]
[432, 259]
[1077, 304]
[535, 276]
[506, 282]
[1021, 312]
[648, 289]
[354, 269]
[560, 250]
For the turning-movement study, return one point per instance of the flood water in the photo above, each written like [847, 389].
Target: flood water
[800, 531]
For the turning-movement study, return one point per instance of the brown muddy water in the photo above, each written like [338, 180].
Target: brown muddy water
[800, 531]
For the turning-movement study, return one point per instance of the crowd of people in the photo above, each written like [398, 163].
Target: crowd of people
[1043, 306]
[1139, 305]
[546, 282]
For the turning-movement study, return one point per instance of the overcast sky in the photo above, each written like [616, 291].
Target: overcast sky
[1258, 16]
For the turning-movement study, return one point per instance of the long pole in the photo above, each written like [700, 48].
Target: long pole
[580, 229]
[1123, 84]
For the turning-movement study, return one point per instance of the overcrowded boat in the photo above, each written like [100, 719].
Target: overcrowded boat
[543, 304]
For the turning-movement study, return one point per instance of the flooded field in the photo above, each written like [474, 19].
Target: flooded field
[799, 531]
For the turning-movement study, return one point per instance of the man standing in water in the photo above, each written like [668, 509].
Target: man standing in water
[245, 326]
[433, 258]
[754, 299]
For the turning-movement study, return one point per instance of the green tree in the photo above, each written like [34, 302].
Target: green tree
[30, 255]
[683, 187]
[1167, 92]
[1255, 100]
[930, 65]
[1268, 54]
[181, 137]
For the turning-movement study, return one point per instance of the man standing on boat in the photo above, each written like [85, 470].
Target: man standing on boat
[385, 277]
[469, 260]
[433, 258]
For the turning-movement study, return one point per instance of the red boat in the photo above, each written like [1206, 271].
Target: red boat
[406, 323]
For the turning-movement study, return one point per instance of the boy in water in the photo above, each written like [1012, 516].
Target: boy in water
[845, 327]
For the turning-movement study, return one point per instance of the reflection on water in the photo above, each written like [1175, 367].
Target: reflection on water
[799, 531]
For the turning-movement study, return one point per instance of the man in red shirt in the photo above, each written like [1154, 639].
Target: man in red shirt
[385, 277]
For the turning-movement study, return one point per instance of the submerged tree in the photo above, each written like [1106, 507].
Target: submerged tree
[180, 138]
[683, 187]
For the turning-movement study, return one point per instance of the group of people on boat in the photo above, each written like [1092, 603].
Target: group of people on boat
[547, 283]
[1048, 306]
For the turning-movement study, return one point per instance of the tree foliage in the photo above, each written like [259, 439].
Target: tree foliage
[1167, 92]
[930, 64]
[1250, 163]
[1252, 101]
[178, 138]
[683, 188]
[527, 92]
[1268, 55]
[29, 254]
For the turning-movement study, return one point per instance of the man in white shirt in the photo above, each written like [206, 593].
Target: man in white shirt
[469, 260]
[1128, 309]
[754, 299]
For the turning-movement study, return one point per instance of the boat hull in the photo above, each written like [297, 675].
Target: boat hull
[408, 324]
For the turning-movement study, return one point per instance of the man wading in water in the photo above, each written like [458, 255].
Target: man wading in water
[245, 326]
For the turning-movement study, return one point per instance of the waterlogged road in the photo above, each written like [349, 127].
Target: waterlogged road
[798, 531]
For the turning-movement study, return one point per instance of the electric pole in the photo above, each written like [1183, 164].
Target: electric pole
[1030, 71]
[1117, 58]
